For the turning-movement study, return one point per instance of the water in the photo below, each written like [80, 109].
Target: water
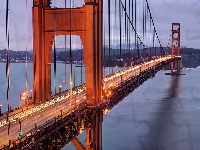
[18, 80]
[161, 114]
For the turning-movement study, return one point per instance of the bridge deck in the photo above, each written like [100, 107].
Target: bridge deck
[59, 105]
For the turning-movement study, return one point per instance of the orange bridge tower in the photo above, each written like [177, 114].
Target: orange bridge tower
[175, 66]
[85, 21]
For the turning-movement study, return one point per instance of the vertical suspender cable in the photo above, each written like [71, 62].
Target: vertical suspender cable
[132, 51]
[145, 29]
[54, 49]
[135, 26]
[161, 51]
[65, 57]
[104, 51]
[20, 128]
[138, 45]
[26, 47]
[147, 32]
[154, 42]
[129, 37]
[74, 78]
[143, 25]
[34, 74]
[120, 32]
[112, 54]
[115, 48]
[8, 67]
[143, 21]
[82, 56]
[150, 33]
[34, 69]
[125, 33]
[72, 55]
[109, 65]
[70, 40]
[81, 63]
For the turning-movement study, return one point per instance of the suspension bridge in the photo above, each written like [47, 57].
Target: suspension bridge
[82, 107]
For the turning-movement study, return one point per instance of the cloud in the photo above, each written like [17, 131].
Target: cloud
[164, 12]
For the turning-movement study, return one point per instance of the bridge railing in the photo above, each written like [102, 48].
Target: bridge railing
[109, 82]
[116, 78]
[41, 107]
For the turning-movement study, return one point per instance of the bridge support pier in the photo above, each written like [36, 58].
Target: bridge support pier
[94, 133]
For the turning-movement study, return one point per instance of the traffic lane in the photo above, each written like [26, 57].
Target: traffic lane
[41, 118]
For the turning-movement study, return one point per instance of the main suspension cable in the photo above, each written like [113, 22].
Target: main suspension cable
[132, 24]
[154, 26]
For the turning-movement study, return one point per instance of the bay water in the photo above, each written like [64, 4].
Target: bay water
[162, 114]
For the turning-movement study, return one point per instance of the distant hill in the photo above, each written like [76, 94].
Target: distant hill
[125, 46]
[190, 56]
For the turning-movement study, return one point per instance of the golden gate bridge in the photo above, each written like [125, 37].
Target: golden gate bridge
[82, 107]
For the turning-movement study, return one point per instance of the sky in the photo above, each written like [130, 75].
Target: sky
[164, 13]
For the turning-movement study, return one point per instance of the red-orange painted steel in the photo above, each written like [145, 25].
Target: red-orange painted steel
[85, 21]
[175, 66]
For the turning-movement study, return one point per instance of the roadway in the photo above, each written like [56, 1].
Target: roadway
[44, 114]
[39, 118]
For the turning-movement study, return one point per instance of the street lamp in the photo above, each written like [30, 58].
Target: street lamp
[20, 129]
[125, 65]
[0, 108]
[132, 64]
[60, 88]
[23, 97]
[31, 94]
[61, 113]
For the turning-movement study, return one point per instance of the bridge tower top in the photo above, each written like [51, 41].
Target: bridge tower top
[86, 22]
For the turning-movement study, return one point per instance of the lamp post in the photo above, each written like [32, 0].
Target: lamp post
[0, 109]
[31, 94]
[60, 88]
[20, 129]
[23, 97]
[74, 76]
[125, 65]
[132, 64]
[61, 113]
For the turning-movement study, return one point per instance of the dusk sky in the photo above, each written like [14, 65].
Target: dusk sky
[164, 12]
